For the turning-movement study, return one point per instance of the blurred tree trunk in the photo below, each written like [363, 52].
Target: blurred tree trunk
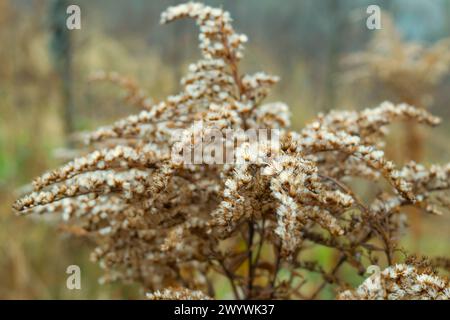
[334, 49]
[61, 50]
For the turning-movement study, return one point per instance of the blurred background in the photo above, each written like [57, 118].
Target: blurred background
[325, 55]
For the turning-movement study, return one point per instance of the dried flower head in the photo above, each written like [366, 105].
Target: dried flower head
[401, 282]
[177, 294]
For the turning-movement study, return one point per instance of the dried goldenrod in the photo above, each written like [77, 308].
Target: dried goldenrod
[178, 294]
[401, 282]
[176, 224]
[135, 95]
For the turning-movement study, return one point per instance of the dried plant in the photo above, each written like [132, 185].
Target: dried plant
[401, 282]
[135, 95]
[175, 227]
[409, 71]
[178, 294]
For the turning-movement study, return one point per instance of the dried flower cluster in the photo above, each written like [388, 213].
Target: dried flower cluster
[401, 282]
[408, 69]
[174, 226]
[178, 294]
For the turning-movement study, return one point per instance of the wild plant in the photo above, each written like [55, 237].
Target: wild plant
[178, 227]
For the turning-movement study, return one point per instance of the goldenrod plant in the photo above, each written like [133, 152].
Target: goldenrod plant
[177, 226]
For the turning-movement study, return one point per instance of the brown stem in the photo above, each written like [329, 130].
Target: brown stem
[230, 278]
[332, 273]
[275, 272]
[251, 232]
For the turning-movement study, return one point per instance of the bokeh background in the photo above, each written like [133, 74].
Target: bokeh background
[45, 96]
